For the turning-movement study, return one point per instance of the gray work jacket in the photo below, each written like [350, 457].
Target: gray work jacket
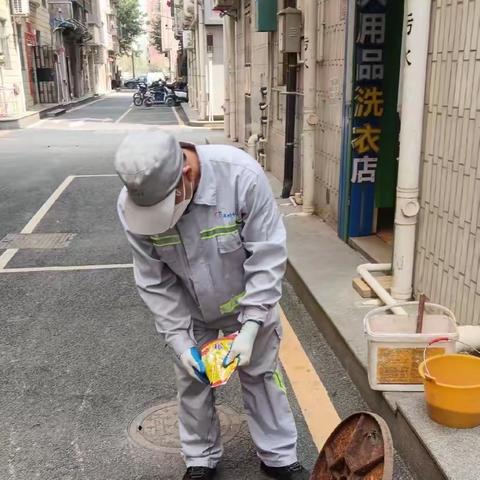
[225, 256]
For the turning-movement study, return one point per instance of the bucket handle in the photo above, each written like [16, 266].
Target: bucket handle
[436, 340]
[386, 308]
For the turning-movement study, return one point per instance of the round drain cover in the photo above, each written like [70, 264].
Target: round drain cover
[157, 427]
[360, 448]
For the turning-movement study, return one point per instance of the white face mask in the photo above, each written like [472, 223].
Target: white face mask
[181, 206]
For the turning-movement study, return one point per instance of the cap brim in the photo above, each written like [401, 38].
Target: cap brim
[149, 220]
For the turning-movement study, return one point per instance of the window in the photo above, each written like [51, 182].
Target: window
[209, 43]
[44, 3]
[4, 53]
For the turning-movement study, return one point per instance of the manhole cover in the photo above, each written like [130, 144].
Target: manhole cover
[360, 448]
[157, 427]
[36, 240]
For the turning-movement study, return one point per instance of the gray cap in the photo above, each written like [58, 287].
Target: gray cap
[150, 165]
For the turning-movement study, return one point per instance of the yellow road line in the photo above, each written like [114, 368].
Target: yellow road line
[317, 409]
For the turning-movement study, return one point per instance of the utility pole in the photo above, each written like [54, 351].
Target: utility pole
[133, 63]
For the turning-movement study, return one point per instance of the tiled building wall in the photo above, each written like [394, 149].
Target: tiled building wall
[448, 245]
[330, 76]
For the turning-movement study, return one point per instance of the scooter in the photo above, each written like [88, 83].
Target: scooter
[160, 96]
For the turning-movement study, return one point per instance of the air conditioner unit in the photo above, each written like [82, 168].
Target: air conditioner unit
[20, 7]
[225, 5]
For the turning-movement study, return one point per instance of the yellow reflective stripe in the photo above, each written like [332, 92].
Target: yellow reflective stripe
[232, 304]
[165, 240]
[219, 231]
[278, 379]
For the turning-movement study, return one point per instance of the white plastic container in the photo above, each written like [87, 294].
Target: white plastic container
[395, 350]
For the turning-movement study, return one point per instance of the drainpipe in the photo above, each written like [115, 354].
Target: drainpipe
[232, 78]
[226, 101]
[252, 145]
[365, 272]
[202, 50]
[290, 124]
[413, 99]
[310, 117]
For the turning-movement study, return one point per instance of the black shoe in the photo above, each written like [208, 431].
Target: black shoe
[199, 473]
[291, 472]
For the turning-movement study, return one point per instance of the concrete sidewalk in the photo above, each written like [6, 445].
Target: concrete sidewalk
[190, 117]
[42, 110]
[321, 268]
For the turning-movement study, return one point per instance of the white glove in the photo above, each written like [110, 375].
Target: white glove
[193, 363]
[242, 346]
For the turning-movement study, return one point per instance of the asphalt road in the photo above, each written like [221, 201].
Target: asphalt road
[79, 356]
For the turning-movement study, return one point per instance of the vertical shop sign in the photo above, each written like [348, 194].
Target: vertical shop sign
[368, 109]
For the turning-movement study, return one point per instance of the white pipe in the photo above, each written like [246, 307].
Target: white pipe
[364, 272]
[310, 118]
[210, 87]
[252, 145]
[232, 77]
[413, 99]
[226, 98]
[202, 50]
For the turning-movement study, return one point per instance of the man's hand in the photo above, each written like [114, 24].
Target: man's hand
[242, 346]
[193, 363]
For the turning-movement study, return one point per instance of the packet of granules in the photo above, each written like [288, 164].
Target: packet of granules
[213, 355]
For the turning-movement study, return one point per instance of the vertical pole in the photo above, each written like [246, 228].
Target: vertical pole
[310, 118]
[210, 87]
[290, 124]
[202, 50]
[226, 60]
[411, 134]
[232, 63]
[133, 64]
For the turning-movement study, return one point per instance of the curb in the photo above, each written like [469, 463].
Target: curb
[215, 125]
[54, 111]
[406, 439]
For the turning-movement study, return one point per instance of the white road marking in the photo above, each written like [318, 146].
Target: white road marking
[124, 114]
[6, 256]
[96, 175]
[179, 120]
[67, 268]
[35, 220]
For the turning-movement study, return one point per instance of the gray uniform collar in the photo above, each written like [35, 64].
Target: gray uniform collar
[206, 193]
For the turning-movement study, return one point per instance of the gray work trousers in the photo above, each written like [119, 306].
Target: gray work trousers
[270, 419]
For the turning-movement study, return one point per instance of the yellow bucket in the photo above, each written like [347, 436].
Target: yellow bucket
[452, 389]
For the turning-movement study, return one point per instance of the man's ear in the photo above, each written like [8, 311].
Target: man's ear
[188, 172]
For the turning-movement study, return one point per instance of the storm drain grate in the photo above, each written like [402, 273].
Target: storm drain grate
[36, 240]
[157, 427]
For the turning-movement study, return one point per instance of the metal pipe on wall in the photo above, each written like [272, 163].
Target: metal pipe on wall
[202, 50]
[310, 117]
[413, 99]
[226, 100]
[231, 77]
[291, 103]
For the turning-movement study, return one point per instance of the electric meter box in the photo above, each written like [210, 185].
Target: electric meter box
[289, 30]
[266, 15]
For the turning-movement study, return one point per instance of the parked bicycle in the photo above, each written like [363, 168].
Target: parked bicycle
[139, 95]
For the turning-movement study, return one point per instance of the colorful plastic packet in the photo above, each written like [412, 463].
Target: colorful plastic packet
[213, 355]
